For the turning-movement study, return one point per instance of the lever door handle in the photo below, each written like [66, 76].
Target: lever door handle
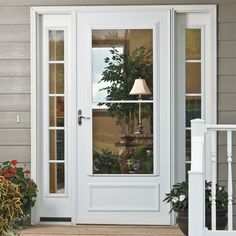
[80, 117]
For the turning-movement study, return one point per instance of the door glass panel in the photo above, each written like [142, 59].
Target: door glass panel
[57, 178]
[193, 109]
[122, 70]
[193, 77]
[118, 147]
[193, 44]
[118, 58]
[188, 145]
[56, 144]
[56, 74]
[56, 45]
[56, 111]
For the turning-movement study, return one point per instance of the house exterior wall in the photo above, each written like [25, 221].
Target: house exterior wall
[15, 71]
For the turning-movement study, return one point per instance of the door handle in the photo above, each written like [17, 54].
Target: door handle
[80, 117]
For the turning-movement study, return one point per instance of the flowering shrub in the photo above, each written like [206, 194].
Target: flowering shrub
[10, 205]
[21, 177]
[178, 197]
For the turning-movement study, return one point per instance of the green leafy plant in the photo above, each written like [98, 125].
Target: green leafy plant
[121, 71]
[178, 197]
[10, 205]
[21, 177]
[105, 162]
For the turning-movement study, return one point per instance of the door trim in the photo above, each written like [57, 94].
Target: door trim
[36, 12]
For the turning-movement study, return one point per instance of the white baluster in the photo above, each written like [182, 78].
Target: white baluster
[230, 187]
[213, 192]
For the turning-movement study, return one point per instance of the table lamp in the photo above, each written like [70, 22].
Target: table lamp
[140, 88]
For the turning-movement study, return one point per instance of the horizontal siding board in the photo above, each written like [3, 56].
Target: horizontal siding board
[14, 137]
[222, 154]
[9, 120]
[222, 172]
[227, 49]
[222, 138]
[227, 31]
[14, 67]
[14, 50]
[226, 66]
[226, 12]
[227, 117]
[15, 15]
[14, 33]
[227, 84]
[14, 102]
[14, 85]
[227, 102]
[19, 153]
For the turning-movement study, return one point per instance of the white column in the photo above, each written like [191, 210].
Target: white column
[197, 180]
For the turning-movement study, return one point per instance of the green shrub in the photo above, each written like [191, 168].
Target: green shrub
[10, 205]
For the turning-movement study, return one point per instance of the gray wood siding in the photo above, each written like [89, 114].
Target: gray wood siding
[11, 85]
[15, 70]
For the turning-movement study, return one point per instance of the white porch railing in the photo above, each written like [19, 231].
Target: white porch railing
[197, 178]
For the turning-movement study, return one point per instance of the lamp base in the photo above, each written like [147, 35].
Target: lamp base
[140, 129]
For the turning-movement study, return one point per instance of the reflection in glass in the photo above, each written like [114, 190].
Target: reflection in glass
[187, 169]
[117, 147]
[188, 145]
[193, 44]
[193, 77]
[193, 108]
[57, 178]
[56, 144]
[56, 109]
[118, 58]
[56, 45]
[56, 78]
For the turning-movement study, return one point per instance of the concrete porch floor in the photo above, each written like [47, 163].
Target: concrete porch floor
[105, 230]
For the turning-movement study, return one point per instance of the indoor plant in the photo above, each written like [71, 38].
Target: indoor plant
[20, 176]
[178, 197]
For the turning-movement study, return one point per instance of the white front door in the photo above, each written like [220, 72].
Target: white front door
[123, 136]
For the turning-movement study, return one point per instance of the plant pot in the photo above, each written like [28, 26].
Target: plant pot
[221, 220]
[182, 221]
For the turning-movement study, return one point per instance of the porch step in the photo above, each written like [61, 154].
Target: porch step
[100, 230]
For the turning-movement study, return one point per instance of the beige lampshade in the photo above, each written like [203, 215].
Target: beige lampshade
[140, 87]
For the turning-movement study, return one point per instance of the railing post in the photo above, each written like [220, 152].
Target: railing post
[197, 180]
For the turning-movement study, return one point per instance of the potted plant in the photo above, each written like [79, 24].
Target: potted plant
[178, 197]
[20, 176]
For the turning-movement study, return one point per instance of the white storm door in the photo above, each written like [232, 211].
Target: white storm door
[123, 136]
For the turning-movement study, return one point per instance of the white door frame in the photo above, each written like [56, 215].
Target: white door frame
[36, 12]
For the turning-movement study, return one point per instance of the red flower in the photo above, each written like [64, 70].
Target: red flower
[8, 175]
[11, 170]
[27, 172]
[14, 162]
[1, 170]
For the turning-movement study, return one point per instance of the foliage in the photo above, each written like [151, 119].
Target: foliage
[121, 71]
[141, 160]
[105, 163]
[178, 197]
[10, 205]
[21, 177]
